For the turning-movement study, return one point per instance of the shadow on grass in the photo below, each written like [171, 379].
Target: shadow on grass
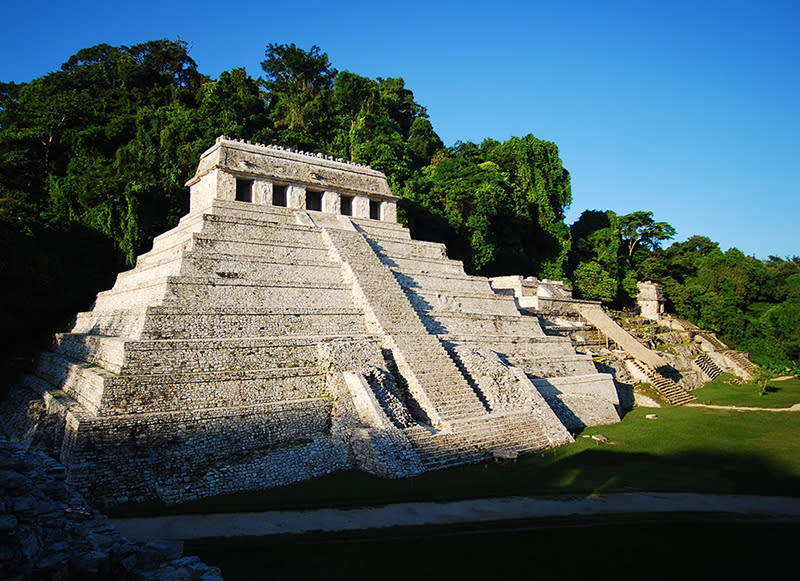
[582, 473]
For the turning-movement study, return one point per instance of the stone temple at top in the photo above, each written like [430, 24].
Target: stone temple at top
[289, 327]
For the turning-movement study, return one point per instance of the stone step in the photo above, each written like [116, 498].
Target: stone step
[221, 229]
[256, 212]
[477, 324]
[177, 391]
[707, 366]
[181, 323]
[148, 275]
[475, 439]
[278, 250]
[742, 359]
[408, 249]
[672, 392]
[125, 299]
[379, 229]
[444, 282]
[176, 236]
[525, 344]
[434, 266]
[85, 383]
[166, 254]
[199, 355]
[106, 352]
[259, 268]
[435, 302]
[192, 292]
[123, 322]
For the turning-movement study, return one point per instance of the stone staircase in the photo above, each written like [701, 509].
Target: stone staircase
[465, 311]
[714, 340]
[667, 387]
[461, 428]
[741, 359]
[441, 390]
[707, 366]
[478, 439]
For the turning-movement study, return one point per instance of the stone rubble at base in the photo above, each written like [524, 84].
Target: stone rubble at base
[48, 531]
[288, 328]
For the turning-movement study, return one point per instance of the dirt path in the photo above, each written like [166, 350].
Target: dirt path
[436, 513]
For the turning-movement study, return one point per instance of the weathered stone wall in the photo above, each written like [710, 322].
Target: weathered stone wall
[131, 456]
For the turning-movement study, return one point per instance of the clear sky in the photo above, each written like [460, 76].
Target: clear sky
[688, 108]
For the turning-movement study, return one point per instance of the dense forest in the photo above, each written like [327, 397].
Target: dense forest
[94, 157]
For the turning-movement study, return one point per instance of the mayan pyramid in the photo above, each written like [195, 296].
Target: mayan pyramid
[289, 327]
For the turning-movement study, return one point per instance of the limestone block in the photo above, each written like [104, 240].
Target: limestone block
[446, 283]
[151, 393]
[137, 451]
[596, 385]
[106, 352]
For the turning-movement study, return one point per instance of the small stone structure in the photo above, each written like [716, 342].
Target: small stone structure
[288, 327]
[687, 356]
[530, 293]
[651, 300]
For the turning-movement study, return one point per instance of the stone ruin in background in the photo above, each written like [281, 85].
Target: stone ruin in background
[673, 355]
[289, 327]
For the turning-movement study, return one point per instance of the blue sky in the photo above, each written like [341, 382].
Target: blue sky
[686, 108]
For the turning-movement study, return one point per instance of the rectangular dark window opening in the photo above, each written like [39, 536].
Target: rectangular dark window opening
[278, 195]
[346, 205]
[244, 190]
[375, 209]
[314, 200]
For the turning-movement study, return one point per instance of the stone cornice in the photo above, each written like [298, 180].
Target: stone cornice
[290, 166]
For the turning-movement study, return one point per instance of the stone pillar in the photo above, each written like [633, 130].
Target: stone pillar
[226, 186]
[360, 206]
[296, 197]
[389, 213]
[651, 300]
[331, 202]
[262, 192]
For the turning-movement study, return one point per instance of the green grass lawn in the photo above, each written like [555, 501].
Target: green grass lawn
[684, 450]
[779, 394]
